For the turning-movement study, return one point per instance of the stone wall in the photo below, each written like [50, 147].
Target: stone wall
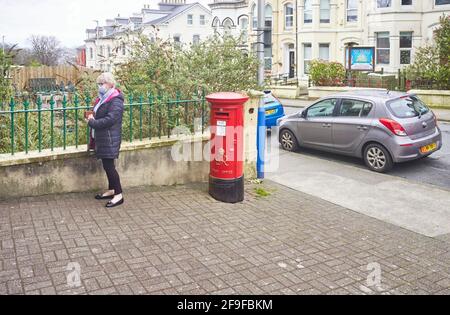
[142, 163]
[434, 98]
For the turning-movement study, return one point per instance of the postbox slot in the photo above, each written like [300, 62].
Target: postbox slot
[223, 114]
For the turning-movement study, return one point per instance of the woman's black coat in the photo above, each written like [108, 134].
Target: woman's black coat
[108, 128]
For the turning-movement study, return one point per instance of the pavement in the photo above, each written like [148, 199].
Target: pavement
[178, 240]
[411, 205]
[441, 114]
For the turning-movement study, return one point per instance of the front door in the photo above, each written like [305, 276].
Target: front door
[291, 64]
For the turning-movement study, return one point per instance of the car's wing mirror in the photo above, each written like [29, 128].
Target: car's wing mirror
[303, 114]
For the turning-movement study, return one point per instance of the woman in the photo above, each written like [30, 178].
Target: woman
[106, 124]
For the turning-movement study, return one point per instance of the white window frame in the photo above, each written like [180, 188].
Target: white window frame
[322, 10]
[194, 41]
[348, 9]
[378, 49]
[310, 11]
[202, 20]
[386, 3]
[306, 61]
[409, 49]
[287, 16]
[328, 46]
[254, 18]
[244, 28]
[190, 19]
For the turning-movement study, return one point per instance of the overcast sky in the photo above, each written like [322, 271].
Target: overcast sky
[67, 20]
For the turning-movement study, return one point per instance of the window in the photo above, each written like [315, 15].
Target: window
[124, 49]
[383, 48]
[268, 17]
[91, 53]
[254, 18]
[190, 19]
[244, 29]
[324, 11]
[352, 10]
[177, 41]
[202, 20]
[405, 47]
[308, 15]
[354, 108]
[408, 107]
[324, 51]
[102, 51]
[268, 57]
[288, 15]
[227, 25]
[322, 109]
[406, 2]
[442, 2]
[215, 24]
[196, 39]
[109, 51]
[383, 3]
[307, 53]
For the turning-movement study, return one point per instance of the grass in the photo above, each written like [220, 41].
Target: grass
[261, 192]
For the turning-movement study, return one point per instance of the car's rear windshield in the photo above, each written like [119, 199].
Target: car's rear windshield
[407, 107]
[269, 99]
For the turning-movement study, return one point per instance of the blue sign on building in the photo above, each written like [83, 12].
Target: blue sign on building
[362, 58]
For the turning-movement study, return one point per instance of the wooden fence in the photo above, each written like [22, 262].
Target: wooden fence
[21, 75]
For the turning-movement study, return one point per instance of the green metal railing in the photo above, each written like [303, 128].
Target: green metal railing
[61, 124]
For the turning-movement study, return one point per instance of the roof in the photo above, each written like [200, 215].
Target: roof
[178, 10]
[371, 94]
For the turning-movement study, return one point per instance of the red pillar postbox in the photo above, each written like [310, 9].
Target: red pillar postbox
[226, 180]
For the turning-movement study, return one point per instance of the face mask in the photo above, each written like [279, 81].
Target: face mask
[102, 90]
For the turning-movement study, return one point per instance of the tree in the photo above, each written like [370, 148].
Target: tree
[46, 49]
[163, 67]
[431, 64]
[6, 60]
[325, 73]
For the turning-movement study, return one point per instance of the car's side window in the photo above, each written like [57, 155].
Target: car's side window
[322, 109]
[354, 108]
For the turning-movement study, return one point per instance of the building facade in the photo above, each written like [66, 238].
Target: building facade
[304, 30]
[174, 20]
[398, 27]
[230, 17]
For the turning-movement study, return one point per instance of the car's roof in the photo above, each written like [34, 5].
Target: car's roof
[371, 94]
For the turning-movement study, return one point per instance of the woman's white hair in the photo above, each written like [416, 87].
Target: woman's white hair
[107, 77]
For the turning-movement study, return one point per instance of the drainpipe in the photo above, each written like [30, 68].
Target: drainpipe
[296, 41]
[261, 133]
[260, 41]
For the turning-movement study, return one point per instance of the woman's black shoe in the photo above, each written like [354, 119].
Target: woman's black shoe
[101, 197]
[112, 205]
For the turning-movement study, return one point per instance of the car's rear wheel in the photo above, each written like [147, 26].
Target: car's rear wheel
[377, 158]
[288, 141]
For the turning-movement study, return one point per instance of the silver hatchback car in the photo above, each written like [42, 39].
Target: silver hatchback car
[380, 126]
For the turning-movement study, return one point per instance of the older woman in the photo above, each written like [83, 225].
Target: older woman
[106, 124]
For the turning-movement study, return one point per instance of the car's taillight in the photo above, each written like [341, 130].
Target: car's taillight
[394, 126]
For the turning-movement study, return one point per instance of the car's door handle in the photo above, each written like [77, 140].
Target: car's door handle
[362, 128]
[326, 125]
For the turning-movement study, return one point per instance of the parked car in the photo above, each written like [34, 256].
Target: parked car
[380, 126]
[274, 109]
